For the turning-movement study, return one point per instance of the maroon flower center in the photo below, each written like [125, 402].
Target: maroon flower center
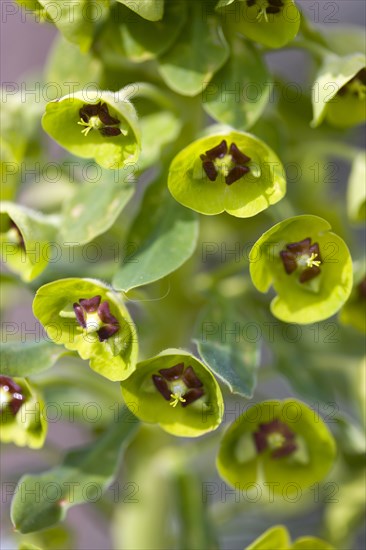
[269, 7]
[178, 384]
[275, 436]
[97, 117]
[11, 393]
[356, 86]
[230, 162]
[94, 316]
[304, 257]
[362, 289]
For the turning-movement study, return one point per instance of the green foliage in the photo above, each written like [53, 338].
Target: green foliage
[160, 199]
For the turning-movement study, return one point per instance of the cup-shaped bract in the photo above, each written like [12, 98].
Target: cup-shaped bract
[280, 444]
[88, 317]
[309, 266]
[22, 418]
[234, 172]
[25, 237]
[273, 23]
[339, 92]
[278, 538]
[176, 391]
[353, 311]
[95, 124]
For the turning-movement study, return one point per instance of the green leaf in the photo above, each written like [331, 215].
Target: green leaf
[164, 236]
[76, 18]
[198, 53]
[275, 537]
[95, 206]
[238, 94]
[311, 543]
[42, 500]
[153, 10]
[152, 143]
[334, 73]
[139, 39]
[20, 359]
[231, 357]
[28, 546]
[356, 192]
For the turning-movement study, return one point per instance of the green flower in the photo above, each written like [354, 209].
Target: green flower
[99, 125]
[353, 311]
[89, 317]
[339, 92]
[21, 415]
[25, 236]
[279, 443]
[279, 538]
[177, 391]
[273, 23]
[309, 267]
[233, 172]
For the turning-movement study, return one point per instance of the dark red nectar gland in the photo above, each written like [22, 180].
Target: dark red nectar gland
[11, 396]
[229, 162]
[97, 117]
[362, 289]
[266, 7]
[178, 385]
[304, 257]
[275, 436]
[94, 316]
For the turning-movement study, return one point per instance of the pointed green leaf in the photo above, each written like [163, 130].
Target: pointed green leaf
[153, 10]
[200, 51]
[222, 344]
[356, 192]
[164, 235]
[43, 500]
[21, 359]
[275, 537]
[238, 94]
[95, 206]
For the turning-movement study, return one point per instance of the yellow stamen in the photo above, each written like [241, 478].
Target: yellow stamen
[176, 398]
[311, 262]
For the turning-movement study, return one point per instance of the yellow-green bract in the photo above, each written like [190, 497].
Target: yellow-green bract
[312, 300]
[141, 395]
[271, 25]
[113, 356]
[278, 538]
[241, 462]
[28, 427]
[263, 183]
[63, 121]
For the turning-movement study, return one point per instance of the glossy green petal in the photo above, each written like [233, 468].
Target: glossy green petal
[311, 543]
[28, 427]
[344, 108]
[145, 401]
[302, 302]
[356, 191]
[25, 249]
[61, 122]
[114, 358]
[353, 311]
[274, 538]
[264, 185]
[271, 29]
[240, 465]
